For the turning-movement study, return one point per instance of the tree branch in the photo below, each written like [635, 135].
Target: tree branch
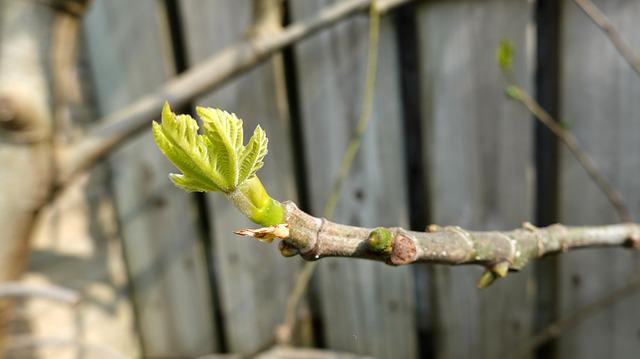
[25, 342]
[317, 238]
[498, 251]
[601, 20]
[612, 194]
[217, 70]
[52, 292]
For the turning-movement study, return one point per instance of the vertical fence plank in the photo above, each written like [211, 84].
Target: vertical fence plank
[480, 162]
[600, 103]
[130, 55]
[367, 307]
[254, 280]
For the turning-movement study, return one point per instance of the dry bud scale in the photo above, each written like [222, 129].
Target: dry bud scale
[217, 160]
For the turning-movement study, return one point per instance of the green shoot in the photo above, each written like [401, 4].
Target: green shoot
[216, 160]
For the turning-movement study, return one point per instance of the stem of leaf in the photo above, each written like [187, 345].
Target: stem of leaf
[252, 199]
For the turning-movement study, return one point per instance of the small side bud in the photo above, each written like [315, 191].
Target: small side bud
[529, 226]
[513, 92]
[498, 270]
[433, 228]
[501, 269]
[504, 55]
[287, 250]
[486, 279]
[380, 240]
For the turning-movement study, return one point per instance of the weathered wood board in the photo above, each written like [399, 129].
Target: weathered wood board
[253, 279]
[367, 308]
[130, 51]
[600, 95]
[76, 245]
[479, 158]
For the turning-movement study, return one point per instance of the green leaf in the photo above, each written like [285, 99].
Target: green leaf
[215, 160]
[188, 184]
[178, 139]
[253, 154]
[224, 130]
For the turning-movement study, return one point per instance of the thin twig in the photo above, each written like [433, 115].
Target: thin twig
[222, 67]
[557, 328]
[600, 19]
[28, 342]
[304, 276]
[612, 194]
[365, 115]
[19, 289]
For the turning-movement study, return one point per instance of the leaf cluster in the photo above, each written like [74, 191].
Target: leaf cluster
[214, 160]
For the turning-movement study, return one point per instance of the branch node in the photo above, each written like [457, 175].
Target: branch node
[403, 251]
[464, 235]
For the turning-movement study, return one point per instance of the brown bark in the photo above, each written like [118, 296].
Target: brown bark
[499, 251]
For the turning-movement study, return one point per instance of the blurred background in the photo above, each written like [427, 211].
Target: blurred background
[120, 263]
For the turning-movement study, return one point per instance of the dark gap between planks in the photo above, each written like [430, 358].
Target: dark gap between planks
[300, 165]
[405, 24]
[181, 63]
[547, 19]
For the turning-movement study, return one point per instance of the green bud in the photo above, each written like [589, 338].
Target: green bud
[513, 92]
[286, 249]
[486, 279]
[380, 240]
[501, 269]
[492, 273]
[504, 55]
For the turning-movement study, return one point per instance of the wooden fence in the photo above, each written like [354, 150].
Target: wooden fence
[444, 146]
